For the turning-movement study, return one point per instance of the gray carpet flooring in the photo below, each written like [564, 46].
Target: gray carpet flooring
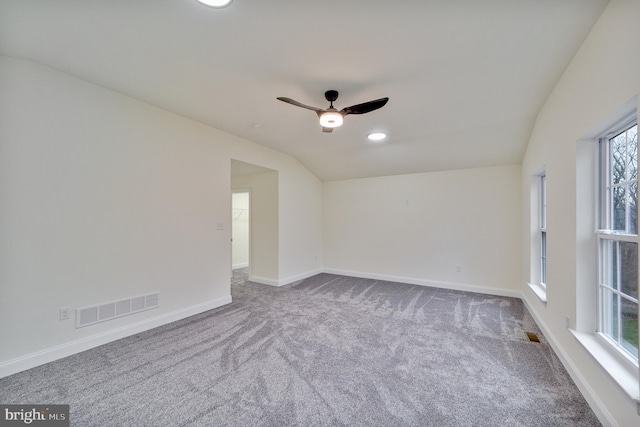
[325, 351]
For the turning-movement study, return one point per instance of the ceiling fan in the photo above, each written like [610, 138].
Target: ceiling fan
[331, 117]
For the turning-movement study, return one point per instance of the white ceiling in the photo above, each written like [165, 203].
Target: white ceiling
[465, 78]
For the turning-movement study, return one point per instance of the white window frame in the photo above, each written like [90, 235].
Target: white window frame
[538, 229]
[605, 235]
[620, 368]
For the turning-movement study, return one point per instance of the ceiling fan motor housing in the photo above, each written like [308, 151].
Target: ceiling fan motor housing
[331, 95]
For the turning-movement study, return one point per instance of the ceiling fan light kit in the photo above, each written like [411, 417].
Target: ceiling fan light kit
[331, 117]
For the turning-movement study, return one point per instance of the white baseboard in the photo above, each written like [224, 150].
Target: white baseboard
[32, 360]
[263, 280]
[431, 283]
[590, 396]
[285, 281]
[301, 276]
[240, 265]
[410, 280]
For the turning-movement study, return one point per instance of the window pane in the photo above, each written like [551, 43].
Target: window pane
[619, 209]
[543, 201]
[633, 208]
[610, 263]
[543, 258]
[618, 158]
[610, 314]
[630, 327]
[629, 268]
[632, 148]
[614, 265]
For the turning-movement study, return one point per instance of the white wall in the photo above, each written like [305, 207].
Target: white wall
[104, 197]
[240, 229]
[420, 227]
[300, 217]
[602, 77]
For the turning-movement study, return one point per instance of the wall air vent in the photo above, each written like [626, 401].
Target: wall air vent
[86, 316]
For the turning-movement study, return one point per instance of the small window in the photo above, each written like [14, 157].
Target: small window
[538, 224]
[618, 239]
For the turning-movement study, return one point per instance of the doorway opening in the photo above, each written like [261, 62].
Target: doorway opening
[240, 234]
[254, 225]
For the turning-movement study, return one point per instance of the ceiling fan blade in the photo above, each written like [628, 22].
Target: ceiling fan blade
[365, 107]
[298, 104]
[324, 129]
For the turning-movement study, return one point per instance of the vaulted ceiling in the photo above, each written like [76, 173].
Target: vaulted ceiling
[465, 78]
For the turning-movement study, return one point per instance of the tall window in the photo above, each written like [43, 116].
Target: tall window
[618, 239]
[543, 230]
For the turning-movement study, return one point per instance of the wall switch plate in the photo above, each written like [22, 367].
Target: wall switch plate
[459, 268]
[220, 226]
[567, 322]
[64, 313]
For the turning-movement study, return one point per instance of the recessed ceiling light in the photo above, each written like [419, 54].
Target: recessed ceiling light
[377, 136]
[215, 3]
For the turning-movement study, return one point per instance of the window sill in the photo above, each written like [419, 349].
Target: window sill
[540, 292]
[624, 372]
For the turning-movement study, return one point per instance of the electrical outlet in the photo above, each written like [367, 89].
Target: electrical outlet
[64, 313]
